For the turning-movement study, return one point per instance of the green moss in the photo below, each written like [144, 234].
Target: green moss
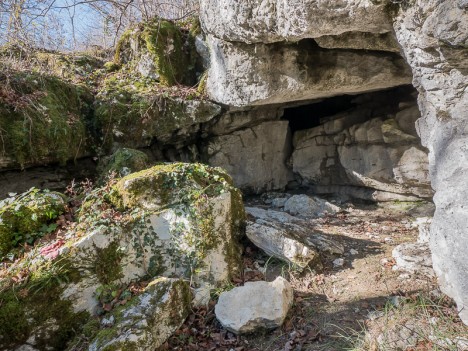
[170, 47]
[107, 265]
[169, 184]
[124, 161]
[27, 308]
[24, 217]
[201, 89]
[42, 119]
[122, 45]
[164, 40]
[232, 250]
[111, 66]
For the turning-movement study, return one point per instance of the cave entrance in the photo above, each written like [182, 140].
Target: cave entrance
[365, 146]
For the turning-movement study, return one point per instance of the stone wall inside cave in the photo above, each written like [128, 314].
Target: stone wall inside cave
[362, 146]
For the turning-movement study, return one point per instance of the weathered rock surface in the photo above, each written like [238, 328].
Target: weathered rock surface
[255, 306]
[288, 238]
[135, 120]
[366, 146]
[258, 74]
[149, 320]
[273, 20]
[255, 157]
[360, 41]
[413, 258]
[434, 38]
[309, 206]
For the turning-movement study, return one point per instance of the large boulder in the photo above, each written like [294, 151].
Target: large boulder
[255, 306]
[434, 38]
[28, 216]
[173, 220]
[259, 74]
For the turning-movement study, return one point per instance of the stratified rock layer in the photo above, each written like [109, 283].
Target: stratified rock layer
[274, 20]
[259, 74]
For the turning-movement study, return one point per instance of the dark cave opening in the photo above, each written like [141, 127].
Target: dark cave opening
[377, 103]
[309, 116]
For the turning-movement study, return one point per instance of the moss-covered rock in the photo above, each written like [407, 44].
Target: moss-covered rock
[160, 49]
[25, 217]
[133, 118]
[33, 311]
[123, 162]
[43, 119]
[148, 320]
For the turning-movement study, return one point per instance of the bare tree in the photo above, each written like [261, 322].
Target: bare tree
[75, 24]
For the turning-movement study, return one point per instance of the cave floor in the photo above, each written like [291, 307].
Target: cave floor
[363, 305]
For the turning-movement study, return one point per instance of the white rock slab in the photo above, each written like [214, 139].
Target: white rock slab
[255, 306]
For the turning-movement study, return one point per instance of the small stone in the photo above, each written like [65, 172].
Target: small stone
[255, 306]
[404, 276]
[108, 322]
[373, 315]
[396, 300]
[339, 262]
[308, 206]
[353, 252]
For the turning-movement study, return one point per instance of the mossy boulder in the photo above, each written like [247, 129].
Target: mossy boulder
[43, 119]
[123, 162]
[182, 220]
[148, 320]
[26, 217]
[159, 49]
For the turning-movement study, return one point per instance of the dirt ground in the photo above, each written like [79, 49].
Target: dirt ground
[362, 305]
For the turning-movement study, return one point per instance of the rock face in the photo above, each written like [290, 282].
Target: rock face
[255, 306]
[273, 20]
[365, 146]
[177, 220]
[288, 238]
[435, 46]
[150, 319]
[258, 74]
[255, 157]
